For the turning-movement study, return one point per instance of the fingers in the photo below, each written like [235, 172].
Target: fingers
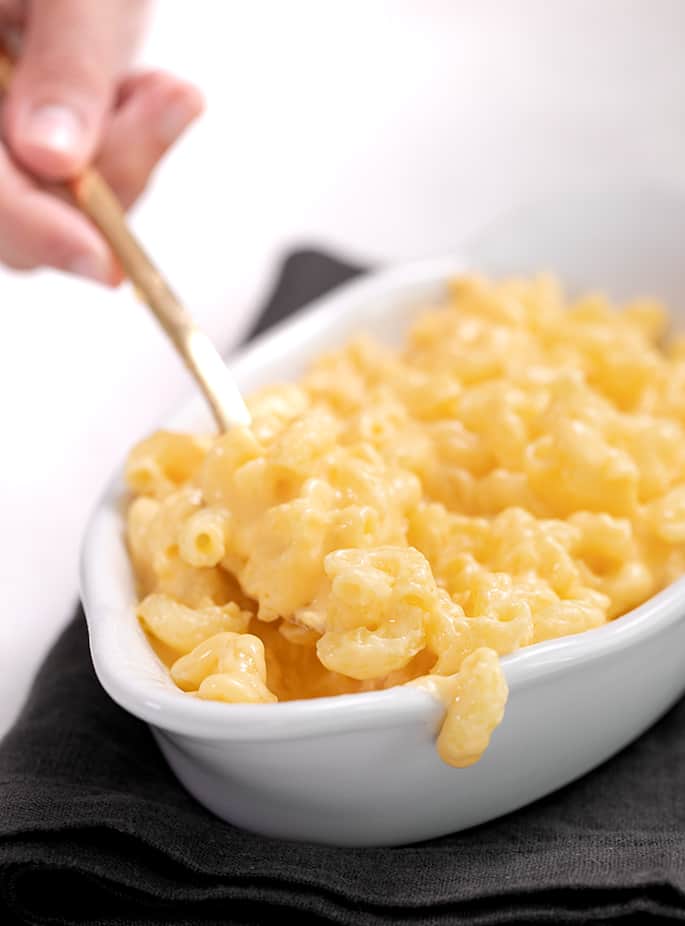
[37, 228]
[155, 109]
[73, 54]
[66, 104]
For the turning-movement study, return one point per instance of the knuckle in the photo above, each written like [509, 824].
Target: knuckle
[128, 178]
[62, 73]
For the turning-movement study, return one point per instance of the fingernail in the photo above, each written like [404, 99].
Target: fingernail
[54, 127]
[174, 120]
[91, 266]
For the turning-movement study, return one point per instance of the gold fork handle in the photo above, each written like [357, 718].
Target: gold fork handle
[95, 198]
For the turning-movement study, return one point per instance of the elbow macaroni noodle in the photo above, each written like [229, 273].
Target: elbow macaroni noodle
[514, 473]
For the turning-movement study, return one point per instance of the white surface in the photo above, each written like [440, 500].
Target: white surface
[385, 128]
[378, 778]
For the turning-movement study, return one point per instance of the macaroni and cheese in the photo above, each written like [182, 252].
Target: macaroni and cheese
[514, 473]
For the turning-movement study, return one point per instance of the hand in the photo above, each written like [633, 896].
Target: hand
[69, 105]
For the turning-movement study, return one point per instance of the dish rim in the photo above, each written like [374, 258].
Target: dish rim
[133, 687]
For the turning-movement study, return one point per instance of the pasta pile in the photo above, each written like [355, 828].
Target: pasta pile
[514, 473]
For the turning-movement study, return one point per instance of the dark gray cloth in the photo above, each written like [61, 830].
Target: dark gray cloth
[95, 829]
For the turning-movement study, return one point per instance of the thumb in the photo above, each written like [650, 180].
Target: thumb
[73, 53]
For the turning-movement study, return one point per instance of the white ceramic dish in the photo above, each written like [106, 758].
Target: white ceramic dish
[362, 769]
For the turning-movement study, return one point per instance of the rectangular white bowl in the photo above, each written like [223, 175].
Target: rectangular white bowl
[362, 769]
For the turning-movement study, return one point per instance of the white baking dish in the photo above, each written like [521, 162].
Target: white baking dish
[362, 769]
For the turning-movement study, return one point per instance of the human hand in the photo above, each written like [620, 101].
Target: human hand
[70, 104]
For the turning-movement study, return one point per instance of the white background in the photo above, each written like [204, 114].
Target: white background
[380, 128]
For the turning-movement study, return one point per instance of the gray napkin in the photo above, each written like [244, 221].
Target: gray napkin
[95, 829]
